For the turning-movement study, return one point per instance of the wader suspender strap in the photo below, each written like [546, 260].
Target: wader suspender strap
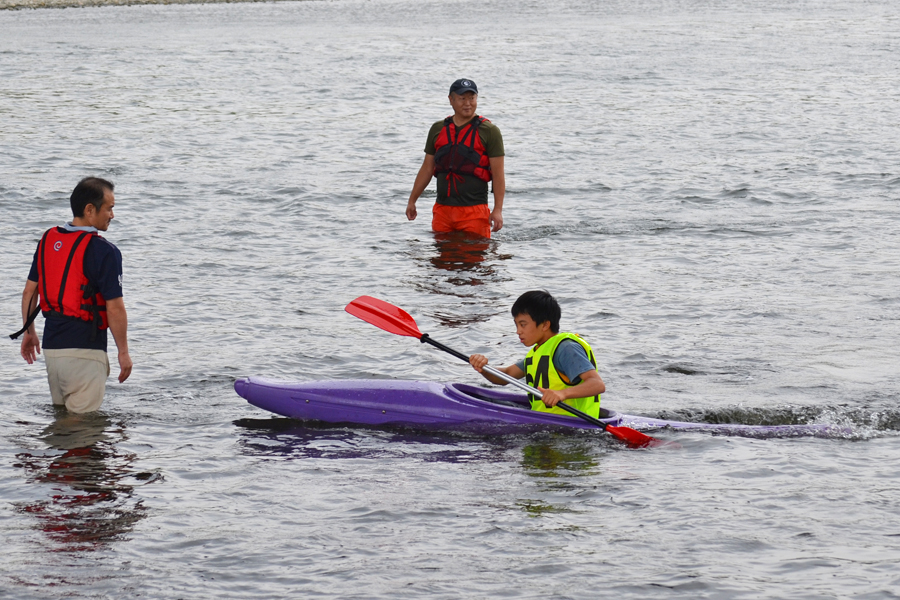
[450, 176]
[474, 124]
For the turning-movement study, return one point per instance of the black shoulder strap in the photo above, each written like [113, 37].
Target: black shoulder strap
[474, 124]
[29, 321]
[447, 122]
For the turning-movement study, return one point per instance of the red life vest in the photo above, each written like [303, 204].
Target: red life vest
[64, 289]
[458, 151]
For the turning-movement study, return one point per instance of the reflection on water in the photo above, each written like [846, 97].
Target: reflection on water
[465, 267]
[462, 251]
[561, 456]
[90, 484]
[553, 462]
[291, 438]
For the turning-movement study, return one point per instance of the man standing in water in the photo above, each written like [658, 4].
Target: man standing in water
[464, 152]
[78, 276]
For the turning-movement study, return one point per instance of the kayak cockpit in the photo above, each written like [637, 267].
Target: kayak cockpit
[505, 398]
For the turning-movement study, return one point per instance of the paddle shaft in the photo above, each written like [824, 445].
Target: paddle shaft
[509, 379]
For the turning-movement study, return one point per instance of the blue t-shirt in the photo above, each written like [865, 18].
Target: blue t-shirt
[570, 359]
[103, 268]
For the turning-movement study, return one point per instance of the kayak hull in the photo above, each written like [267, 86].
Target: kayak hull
[455, 406]
[393, 402]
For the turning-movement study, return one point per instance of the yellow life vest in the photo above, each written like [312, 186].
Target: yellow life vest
[541, 372]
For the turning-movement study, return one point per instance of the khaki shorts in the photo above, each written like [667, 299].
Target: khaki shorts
[77, 378]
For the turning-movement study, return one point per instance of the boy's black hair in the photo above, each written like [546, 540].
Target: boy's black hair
[90, 190]
[540, 306]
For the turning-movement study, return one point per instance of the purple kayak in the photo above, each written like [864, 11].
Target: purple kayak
[456, 406]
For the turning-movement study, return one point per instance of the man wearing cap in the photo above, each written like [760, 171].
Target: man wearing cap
[464, 152]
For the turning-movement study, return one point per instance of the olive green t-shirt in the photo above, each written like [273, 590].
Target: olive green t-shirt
[472, 191]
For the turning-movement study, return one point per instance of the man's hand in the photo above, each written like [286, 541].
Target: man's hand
[125, 366]
[118, 325]
[498, 186]
[496, 220]
[423, 178]
[31, 347]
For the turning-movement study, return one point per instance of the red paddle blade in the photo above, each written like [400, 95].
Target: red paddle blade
[632, 437]
[386, 316]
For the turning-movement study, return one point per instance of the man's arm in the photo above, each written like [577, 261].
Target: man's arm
[498, 179]
[118, 325]
[479, 361]
[31, 345]
[423, 178]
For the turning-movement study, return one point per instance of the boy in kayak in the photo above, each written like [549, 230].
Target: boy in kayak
[561, 365]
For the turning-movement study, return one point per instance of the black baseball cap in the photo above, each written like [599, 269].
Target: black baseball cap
[461, 86]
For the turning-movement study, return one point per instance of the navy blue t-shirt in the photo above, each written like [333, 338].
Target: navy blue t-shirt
[103, 268]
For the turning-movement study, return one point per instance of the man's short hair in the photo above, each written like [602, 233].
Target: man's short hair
[540, 306]
[90, 190]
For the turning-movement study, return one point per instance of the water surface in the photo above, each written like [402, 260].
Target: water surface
[710, 189]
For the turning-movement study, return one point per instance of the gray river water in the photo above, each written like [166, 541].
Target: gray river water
[710, 188]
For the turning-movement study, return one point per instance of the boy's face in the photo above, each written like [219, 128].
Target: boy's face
[531, 333]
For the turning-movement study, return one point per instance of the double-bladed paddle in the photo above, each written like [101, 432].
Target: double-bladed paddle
[396, 320]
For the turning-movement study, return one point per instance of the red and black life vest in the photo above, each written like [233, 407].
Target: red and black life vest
[63, 287]
[458, 151]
